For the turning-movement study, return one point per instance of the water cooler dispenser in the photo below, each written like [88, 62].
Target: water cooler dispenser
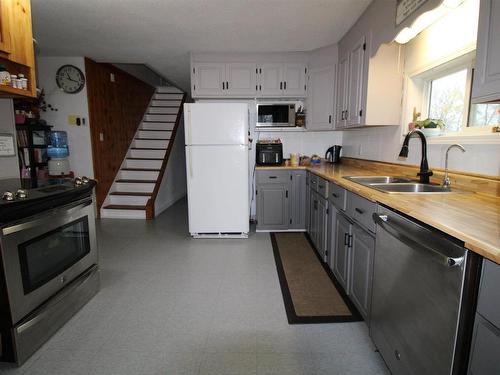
[58, 153]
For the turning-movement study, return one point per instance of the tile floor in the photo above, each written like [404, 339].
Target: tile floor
[173, 305]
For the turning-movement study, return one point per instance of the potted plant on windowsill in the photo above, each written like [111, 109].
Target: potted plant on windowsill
[430, 127]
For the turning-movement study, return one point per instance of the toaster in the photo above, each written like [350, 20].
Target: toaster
[269, 153]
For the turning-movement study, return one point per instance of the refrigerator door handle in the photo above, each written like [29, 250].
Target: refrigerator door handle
[188, 126]
[190, 161]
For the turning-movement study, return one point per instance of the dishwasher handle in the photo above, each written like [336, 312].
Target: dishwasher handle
[409, 239]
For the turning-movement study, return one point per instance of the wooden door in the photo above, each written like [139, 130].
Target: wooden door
[5, 15]
[117, 102]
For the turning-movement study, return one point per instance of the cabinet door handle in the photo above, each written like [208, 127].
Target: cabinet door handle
[260, 87]
[330, 119]
[272, 177]
[346, 239]
[346, 114]
[359, 211]
[227, 85]
[281, 85]
[223, 86]
[335, 195]
[350, 241]
[256, 87]
[284, 85]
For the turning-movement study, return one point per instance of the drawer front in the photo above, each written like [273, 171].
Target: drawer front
[337, 196]
[361, 210]
[323, 187]
[271, 177]
[489, 303]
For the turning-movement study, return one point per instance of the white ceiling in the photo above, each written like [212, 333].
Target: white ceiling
[161, 33]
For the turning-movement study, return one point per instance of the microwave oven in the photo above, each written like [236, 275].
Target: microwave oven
[275, 114]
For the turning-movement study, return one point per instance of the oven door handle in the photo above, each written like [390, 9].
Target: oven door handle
[64, 210]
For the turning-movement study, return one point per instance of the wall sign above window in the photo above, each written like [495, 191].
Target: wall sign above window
[405, 8]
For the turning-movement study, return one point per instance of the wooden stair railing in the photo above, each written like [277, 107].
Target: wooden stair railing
[150, 205]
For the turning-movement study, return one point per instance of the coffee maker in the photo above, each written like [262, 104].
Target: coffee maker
[332, 155]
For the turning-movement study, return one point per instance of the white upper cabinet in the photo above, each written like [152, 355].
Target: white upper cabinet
[244, 76]
[341, 92]
[356, 83]
[369, 84]
[270, 80]
[208, 79]
[282, 80]
[241, 79]
[321, 98]
[294, 80]
[219, 79]
[486, 85]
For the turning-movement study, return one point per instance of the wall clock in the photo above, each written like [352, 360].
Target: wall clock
[70, 79]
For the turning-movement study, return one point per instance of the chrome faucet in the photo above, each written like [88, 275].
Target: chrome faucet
[446, 179]
[425, 172]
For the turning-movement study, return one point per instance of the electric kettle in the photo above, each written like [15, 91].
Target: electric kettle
[333, 154]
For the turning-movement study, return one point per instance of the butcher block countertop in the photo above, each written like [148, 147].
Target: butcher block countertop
[472, 214]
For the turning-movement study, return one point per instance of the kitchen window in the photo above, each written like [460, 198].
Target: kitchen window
[446, 96]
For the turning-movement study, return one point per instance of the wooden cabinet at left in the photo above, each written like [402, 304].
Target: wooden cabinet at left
[16, 46]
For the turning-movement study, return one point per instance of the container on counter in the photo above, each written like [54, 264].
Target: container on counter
[23, 82]
[13, 80]
[4, 76]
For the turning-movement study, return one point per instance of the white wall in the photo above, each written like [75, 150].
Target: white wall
[446, 39]
[80, 147]
[9, 165]
[173, 186]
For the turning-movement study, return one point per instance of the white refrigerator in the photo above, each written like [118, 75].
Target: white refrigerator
[217, 150]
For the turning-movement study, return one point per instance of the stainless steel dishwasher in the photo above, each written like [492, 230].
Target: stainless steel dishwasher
[424, 294]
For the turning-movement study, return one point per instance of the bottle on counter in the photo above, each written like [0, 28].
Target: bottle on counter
[4, 76]
[13, 80]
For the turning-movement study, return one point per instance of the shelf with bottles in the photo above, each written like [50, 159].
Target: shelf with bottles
[17, 88]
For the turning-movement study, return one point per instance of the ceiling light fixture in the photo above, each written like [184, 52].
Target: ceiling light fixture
[425, 20]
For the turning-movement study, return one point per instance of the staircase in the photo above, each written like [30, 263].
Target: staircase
[136, 185]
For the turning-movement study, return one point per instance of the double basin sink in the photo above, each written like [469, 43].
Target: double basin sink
[398, 185]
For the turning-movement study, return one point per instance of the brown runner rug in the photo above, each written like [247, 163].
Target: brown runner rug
[310, 291]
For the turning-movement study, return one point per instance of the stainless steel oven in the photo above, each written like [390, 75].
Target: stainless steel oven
[49, 268]
[276, 114]
[43, 254]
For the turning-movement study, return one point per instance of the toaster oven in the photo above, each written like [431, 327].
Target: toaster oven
[269, 153]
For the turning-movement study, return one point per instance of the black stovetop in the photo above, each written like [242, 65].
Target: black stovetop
[50, 193]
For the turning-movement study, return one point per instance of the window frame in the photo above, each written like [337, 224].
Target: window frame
[442, 71]
[416, 96]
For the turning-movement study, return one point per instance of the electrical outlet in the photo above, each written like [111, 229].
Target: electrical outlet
[111, 77]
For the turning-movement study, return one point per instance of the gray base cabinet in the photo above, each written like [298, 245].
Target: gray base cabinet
[281, 200]
[485, 349]
[340, 255]
[272, 207]
[298, 199]
[361, 272]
